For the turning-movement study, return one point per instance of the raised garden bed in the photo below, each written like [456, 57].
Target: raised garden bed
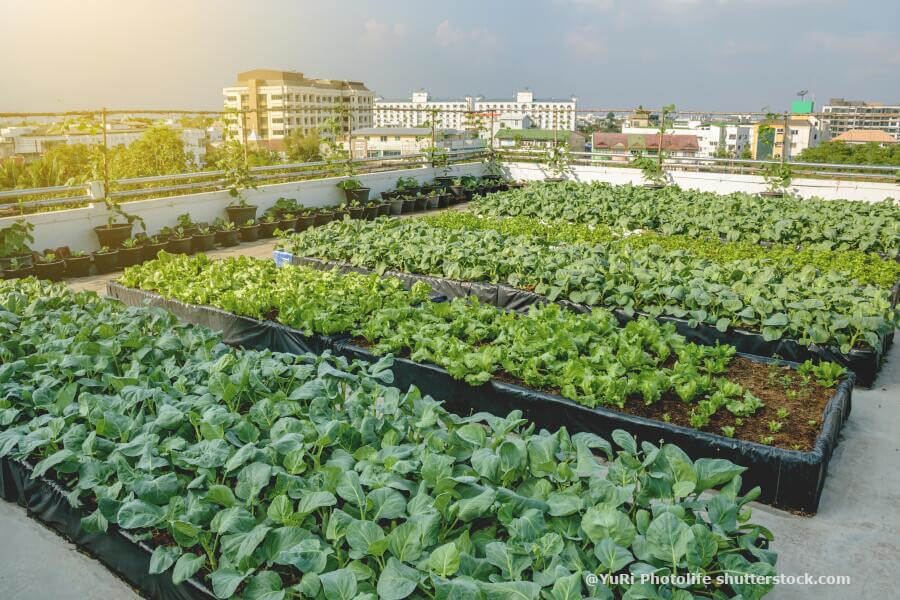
[793, 478]
[865, 363]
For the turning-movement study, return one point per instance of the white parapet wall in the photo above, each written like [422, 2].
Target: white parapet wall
[74, 227]
[720, 183]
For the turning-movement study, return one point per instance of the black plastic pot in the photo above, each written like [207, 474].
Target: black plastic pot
[267, 230]
[106, 262]
[18, 273]
[54, 271]
[444, 181]
[554, 179]
[384, 209]
[654, 186]
[768, 194]
[180, 245]
[457, 190]
[322, 218]
[444, 200]
[304, 223]
[287, 224]
[113, 236]
[204, 242]
[409, 205]
[360, 194]
[433, 202]
[250, 233]
[357, 212]
[396, 206]
[370, 213]
[240, 214]
[128, 257]
[390, 194]
[421, 202]
[227, 239]
[78, 266]
[23, 261]
[493, 178]
[151, 250]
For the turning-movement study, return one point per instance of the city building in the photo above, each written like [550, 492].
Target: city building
[866, 136]
[713, 138]
[458, 113]
[625, 146]
[843, 115]
[539, 138]
[279, 102]
[375, 142]
[803, 132]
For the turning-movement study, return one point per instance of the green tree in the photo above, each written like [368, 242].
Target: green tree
[303, 148]
[860, 154]
[159, 151]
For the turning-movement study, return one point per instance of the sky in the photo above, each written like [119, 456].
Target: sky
[710, 55]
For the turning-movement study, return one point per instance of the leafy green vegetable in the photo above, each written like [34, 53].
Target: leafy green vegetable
[250, 529]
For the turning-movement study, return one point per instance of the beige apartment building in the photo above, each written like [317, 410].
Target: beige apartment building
[279, 102]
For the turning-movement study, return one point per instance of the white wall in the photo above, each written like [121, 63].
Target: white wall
[720, 183]
[74, 227]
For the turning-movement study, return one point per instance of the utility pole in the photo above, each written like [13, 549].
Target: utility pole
[784, 139]
[105, 157]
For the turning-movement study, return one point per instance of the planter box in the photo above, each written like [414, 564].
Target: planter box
[106, 262]
[54, 271]
[267, 230]
[240, 214]
[78, 266]
[789, 479]
[249, 233]
[864, 363]
[151, 250]
[204, 242]
[112, 237]
[45, 500]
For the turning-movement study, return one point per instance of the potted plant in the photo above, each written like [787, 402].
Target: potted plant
[558, 162]
[78, 264]
[226, 234]
[305, 221]
[433, 199]
[179, 242]
[778, 177]
[267, 226]
[395, 206]
[14, 242]
[384, 208]
[16, 269]
[50, 266]
[237, 179]
[288, 222]
[356, 209]
[106, 259]
[421, 202]
[354, 190]
[131, 253]
[405, 185]
[322, 216]
[409, 203]
[371, 211]
[153, 246]
[116, 231]
[205, 240]
[250, 231]
[444, 199]
[184, 221]
[652, 171]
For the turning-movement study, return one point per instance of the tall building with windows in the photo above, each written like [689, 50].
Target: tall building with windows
[845, 115]
[279, 102]
[419, 109]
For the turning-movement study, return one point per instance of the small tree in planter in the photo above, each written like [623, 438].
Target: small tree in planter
[559, 161]
[237, 179]
[14, 242]
[652, 171]
[778, 177]
[340, 161]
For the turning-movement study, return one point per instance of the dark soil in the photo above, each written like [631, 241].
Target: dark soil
[778, 387]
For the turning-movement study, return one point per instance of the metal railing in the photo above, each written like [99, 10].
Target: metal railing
[122, 189]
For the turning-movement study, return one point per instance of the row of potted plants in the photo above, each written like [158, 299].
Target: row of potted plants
[409, 196]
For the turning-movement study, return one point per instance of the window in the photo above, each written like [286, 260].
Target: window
[275, 97]
[384, 138]
[277, 132]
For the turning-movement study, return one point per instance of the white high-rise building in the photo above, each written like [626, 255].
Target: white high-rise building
[279, 102]
[462, 113]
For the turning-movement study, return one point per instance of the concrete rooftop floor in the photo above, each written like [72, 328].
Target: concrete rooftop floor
[855, 532]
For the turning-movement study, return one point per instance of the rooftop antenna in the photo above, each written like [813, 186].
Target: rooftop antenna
[802, 93]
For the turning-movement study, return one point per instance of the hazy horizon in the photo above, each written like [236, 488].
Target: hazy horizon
[702, 55]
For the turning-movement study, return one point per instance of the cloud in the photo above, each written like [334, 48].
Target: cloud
[449, 36]
[377, 31]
